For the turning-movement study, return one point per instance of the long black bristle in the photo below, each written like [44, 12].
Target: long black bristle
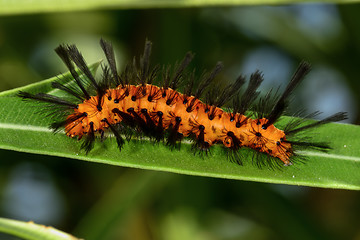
[88, 144]
[190, 84]
[56, 125]
[127, 75]
[43, 97]
[110, 56]
[145, 63]
[106, 78]
[229, 91]
[67, 89]
[314, 145]
[80, 62]
[333, 118]
[207, 79]
[250, 94]
[174, 136]
[63, 53]
[120, 141]
[299, 119]
[281, 104]
[180, 69]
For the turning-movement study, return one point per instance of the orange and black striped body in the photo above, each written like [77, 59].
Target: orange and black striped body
[157, 113]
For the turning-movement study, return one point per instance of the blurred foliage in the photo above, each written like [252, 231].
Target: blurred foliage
[40, 6]
[95, 201]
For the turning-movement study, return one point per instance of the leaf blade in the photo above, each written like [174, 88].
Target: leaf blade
[22, 129]
[32, 231]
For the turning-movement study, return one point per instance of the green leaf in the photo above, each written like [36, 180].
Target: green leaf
[36, 6]
[23, 129]
[32, 231]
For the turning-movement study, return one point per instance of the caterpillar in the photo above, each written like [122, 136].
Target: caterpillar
[128, 102]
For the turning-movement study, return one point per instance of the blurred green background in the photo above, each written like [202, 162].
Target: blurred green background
[95, 201]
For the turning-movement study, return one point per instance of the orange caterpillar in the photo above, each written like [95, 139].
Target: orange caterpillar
[130, 101]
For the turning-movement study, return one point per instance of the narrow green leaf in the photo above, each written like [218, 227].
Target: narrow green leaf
[22, 129]
[36, 6]
[32, 231]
